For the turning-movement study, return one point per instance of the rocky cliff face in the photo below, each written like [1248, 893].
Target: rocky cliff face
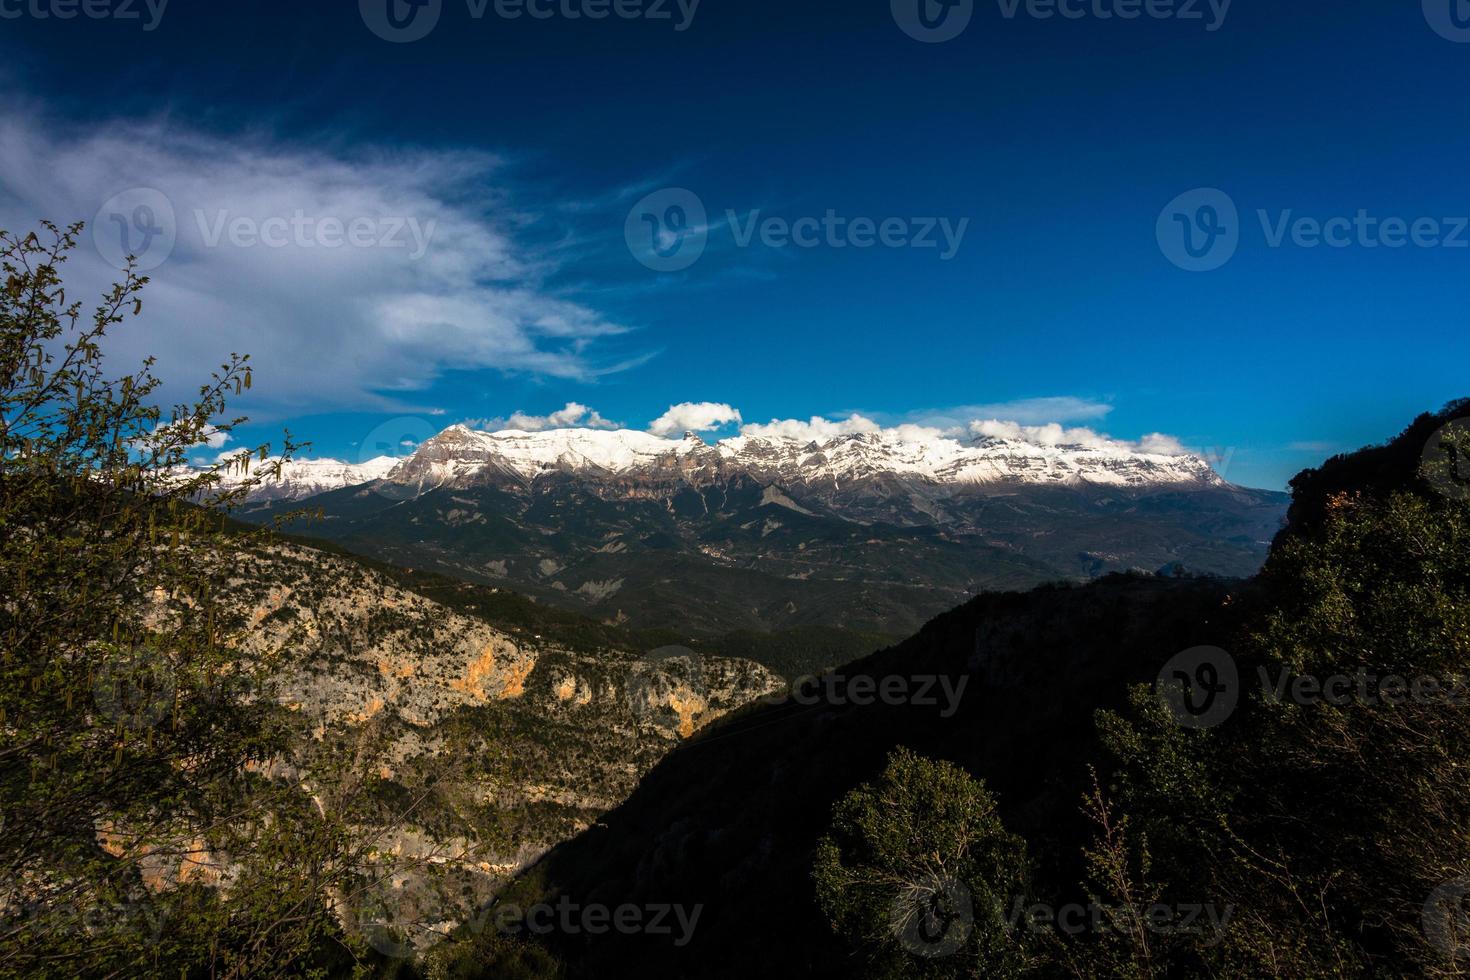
[475, 747]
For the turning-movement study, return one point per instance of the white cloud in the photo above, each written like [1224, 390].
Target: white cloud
[327, 327]
[573, 416]
[1025, 411]
[1053, 434]
[1162, 445]
[819, 429]
[816, 429]
[693, 417]
[213, 438]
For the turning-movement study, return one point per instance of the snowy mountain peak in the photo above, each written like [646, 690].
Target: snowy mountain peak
[914, 456]
[925, 455]
[301, 478]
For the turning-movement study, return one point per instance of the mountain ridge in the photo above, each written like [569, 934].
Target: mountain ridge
[869, 531]
[462, 456]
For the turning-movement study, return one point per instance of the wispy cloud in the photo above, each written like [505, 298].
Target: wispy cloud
[358, 324]
[573, 416]
[1026, 411]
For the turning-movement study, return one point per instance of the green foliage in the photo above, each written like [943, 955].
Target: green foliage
[493, 955]
[1328, 827]
[130, 743]
[919, 871]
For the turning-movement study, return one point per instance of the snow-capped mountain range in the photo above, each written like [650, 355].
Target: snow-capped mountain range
[461, 456]
[302, 478]
[784, 525]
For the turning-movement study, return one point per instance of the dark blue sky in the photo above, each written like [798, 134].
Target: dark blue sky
[1060, 140]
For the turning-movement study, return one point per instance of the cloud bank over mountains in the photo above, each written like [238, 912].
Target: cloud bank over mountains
[727, 420]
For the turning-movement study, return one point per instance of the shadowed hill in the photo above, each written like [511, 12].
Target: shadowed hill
[731, 820]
